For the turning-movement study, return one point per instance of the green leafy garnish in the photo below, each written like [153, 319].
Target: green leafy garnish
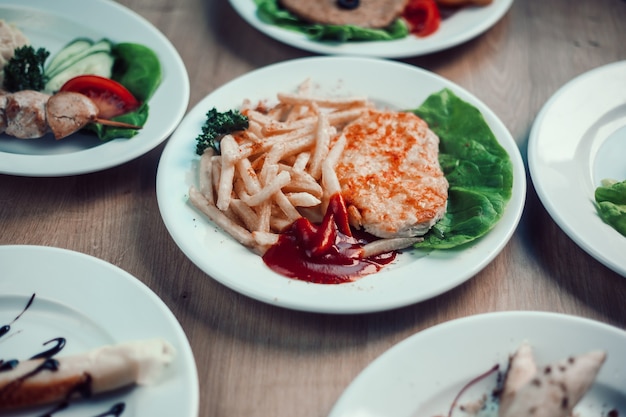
[25, 70]
[137, 68]
[137, 117]
[216, 126]
[269, 11]
[611, 204]
[479, 171]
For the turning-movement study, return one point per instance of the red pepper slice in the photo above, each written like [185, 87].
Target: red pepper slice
[422, 16]
[111, 97]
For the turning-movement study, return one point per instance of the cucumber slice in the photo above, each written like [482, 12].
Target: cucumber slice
[99, 63]
[100, 46]
[74, 47]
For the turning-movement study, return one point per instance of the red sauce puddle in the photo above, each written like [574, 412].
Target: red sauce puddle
[328, 253]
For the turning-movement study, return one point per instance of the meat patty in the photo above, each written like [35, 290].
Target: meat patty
[369, 13]
[390, 175]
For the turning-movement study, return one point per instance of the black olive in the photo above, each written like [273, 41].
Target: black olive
[348, 4]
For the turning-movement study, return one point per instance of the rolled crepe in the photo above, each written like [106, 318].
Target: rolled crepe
[554, 390]
[44, 381]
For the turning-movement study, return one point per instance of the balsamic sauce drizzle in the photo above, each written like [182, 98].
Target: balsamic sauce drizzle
[114, 411]
[7, 327]
[49, 364]
[7, 365]
[60, 344]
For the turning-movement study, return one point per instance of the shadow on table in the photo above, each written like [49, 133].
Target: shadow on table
[571, 270]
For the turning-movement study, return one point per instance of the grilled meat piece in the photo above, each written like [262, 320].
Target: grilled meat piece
[25, 114]
[30, 114]
[390, 176]
[369, 13]
[69, 112]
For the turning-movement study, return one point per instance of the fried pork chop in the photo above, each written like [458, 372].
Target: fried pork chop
[369, 13]
[390, 176]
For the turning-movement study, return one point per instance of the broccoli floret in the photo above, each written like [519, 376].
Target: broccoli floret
[216, 126]
[25, 70]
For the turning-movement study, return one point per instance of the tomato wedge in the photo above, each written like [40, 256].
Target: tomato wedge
[422, 16]
[111, 97]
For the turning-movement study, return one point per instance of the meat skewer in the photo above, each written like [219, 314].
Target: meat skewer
[31, 114]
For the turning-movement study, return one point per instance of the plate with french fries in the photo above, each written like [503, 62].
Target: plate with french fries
[222, 243]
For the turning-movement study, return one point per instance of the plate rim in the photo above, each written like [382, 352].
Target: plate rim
[535, 166]
[264, 294]
[184, 349]
[342, 408]
[72, 163]
[299, 41]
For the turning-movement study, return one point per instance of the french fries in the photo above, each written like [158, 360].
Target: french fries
[279, 169]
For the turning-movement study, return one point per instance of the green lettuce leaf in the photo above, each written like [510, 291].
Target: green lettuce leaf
[611, 204]
[137, 68]
[269, 11]
[137, 118]
[479, 171]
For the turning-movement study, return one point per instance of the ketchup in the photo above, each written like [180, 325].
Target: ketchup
[327, 253]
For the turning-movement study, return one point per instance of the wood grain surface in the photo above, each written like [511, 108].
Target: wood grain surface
[258, 360]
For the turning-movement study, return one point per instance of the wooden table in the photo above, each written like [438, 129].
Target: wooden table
[257, 360]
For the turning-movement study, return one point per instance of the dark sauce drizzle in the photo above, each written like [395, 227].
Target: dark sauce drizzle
[114, 411]
[60, 344]
[52, 365]
[484, 375]
[7, 365]
[7, 327]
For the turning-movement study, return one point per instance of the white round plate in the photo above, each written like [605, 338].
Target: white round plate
[420, 376]
[462, 26]
[411, 278]
[578, 139]
[91, 303]
[52, 25]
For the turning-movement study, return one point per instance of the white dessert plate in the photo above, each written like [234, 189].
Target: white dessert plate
[52, 25]
[91, 303]
[578, 139]
[463, 25]
[420, 376]
[411, 278]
